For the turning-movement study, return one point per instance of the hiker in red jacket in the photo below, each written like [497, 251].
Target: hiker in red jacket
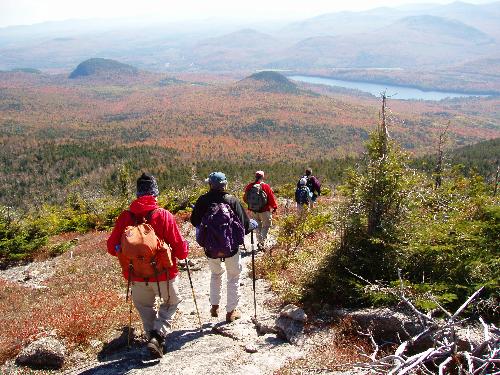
[260, 200]
[145, 292]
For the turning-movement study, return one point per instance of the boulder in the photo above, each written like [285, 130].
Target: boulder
[46, 352]
[293, 312]
[291, 330]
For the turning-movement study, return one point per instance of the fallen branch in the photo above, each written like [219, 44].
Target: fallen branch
[478, 358]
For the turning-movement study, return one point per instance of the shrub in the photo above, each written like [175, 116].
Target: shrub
[303, 243]
[19, 239]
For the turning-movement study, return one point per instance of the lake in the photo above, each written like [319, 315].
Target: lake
[396, 92]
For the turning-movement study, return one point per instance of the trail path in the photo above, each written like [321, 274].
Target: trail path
[219, 348]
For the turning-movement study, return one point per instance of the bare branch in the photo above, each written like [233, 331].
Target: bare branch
[466, 303]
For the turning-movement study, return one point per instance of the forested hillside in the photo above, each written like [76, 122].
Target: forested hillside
[60, 134]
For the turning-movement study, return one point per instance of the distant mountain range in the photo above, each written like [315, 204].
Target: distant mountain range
[417, 37]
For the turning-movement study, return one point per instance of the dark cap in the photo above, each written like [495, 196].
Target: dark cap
[146, 185]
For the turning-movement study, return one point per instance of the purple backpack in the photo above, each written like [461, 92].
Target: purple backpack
[220, 232]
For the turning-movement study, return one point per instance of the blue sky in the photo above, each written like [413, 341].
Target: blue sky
[22, 12]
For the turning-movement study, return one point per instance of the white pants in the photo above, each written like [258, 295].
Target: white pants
[265, 220]
[143, 295]
[233, 269]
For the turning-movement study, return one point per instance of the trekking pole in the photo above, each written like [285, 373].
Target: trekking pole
[253, 276]
[192, 291]
[129, 322]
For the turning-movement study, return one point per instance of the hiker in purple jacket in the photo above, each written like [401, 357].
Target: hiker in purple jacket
[313, 184]
[218, 194]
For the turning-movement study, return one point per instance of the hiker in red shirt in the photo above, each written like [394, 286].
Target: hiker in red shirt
[260, 200]
[145, 291]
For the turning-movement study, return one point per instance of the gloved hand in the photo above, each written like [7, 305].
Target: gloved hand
[253, 225]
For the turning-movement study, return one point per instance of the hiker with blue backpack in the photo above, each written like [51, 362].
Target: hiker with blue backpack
[260, 200]
[313, 185]
[303, 196]
[221, 224]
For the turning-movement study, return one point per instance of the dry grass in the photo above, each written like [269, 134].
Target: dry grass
[336, 348]
[83, 301]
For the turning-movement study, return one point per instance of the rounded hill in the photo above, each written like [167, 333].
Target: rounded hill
[272, 81]
[102, 67]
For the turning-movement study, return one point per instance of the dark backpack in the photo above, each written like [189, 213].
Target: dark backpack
[302, 195]
[256, 198]
[220, 232]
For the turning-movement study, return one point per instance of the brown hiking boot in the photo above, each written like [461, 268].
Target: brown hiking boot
[231, 316]
[214, 311]
[155, 345]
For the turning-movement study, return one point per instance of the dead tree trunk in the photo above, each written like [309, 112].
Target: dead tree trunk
[438, 171]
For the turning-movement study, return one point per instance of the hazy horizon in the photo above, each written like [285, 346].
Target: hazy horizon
[29, 12]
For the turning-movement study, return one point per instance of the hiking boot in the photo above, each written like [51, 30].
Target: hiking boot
[155, 345]
[214, 311]
[231, 316]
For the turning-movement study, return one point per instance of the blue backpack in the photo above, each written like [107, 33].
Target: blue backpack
[302, 195]
[220, 232]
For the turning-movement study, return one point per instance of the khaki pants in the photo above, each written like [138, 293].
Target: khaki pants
[265, 220]
[233, 269]
[143, 296]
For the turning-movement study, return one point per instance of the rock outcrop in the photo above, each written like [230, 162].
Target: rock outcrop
[46, 352]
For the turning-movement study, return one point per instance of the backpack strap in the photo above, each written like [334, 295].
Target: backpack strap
[145, 218]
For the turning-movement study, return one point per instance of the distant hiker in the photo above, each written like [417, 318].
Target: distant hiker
[221, 224]
[140, 239]
[260, 200]
[303, 196]
[313, 184]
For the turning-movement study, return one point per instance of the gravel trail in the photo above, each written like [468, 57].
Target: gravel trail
[218, 348]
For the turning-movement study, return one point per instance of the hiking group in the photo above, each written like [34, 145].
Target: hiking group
[148, 244]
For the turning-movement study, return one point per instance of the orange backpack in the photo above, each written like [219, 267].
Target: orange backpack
[142, 253]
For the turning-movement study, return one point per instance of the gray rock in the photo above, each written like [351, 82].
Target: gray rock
[251, 348]
[47, 352]
[293, 312]
[291, 330]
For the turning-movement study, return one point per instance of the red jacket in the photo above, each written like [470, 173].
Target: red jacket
[165, 227]
[271, 199]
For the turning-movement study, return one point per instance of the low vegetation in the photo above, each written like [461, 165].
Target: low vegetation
[83, 301]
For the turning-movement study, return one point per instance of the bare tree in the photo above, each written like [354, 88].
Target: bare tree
[438, 171]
